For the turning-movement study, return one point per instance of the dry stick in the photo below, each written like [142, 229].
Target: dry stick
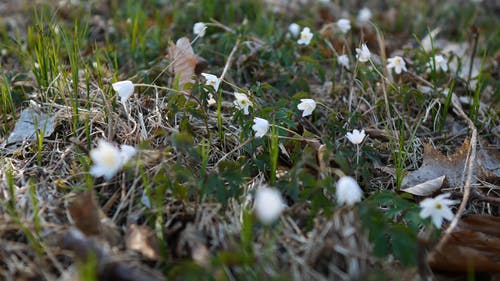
[229, 59]
[469, 168]
[232, 151]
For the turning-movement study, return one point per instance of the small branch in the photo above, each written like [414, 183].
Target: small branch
[475, 37]
[232, 151]
[469, 171]
[229, 60]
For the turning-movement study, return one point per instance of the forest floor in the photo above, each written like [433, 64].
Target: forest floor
[338, 140]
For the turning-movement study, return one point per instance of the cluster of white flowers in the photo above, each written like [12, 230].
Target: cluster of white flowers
[108, 159]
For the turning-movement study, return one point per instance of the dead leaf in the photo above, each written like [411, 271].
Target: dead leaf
[90, 220]
[184, 61]
[29, 123]
[108, 267]
[142, 239]
[85, 214]
[426, 188]
[473, 245]
[192, 242]
[436, 165]
[489, 162]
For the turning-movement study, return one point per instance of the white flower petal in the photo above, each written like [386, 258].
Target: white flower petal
[344, 25]
[364, 16]
[125, 89]
[260, 126]
[199, 29]
[268, 204]
[305, 36]
[107, 160]
[294, 29]
[242, 102]
[363, 54]
[127, 152]
[348, 191]
[211, 80]
[307, 106]
[437, 208]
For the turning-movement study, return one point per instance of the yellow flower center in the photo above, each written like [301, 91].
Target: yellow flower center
[108, 158]
[438, 206]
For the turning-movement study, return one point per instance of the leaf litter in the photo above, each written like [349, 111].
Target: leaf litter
[439, 171]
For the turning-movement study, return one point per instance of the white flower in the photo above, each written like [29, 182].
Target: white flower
[344, 25]
[397, 63]
[127, 152]
[211, 80]
[294, 29]
[343, 60]
[348, 191]
[363, 54]
[307, 105]
[437, 208]
[364, 15]
[268, 204]
[107, 160]
[260, 126]
[199, 29]
[356, 137]
[124, 89]
[440, 63]
[242, 102]
[305, 36]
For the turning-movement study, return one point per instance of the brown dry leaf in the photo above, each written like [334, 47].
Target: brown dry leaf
[85, 214]
[109, 266]
[90, 220]
[489, 162]
[473, 245]
[184, 61]
[436, 165]
[427, 179]
[140, 238]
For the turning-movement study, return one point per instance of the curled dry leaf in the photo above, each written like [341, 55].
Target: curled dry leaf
[184, 62]
[426, 188]
[142, 239]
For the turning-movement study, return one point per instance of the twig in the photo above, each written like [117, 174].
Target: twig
[231, 152]
[469, 171]
[229, 60]
[475, 36]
